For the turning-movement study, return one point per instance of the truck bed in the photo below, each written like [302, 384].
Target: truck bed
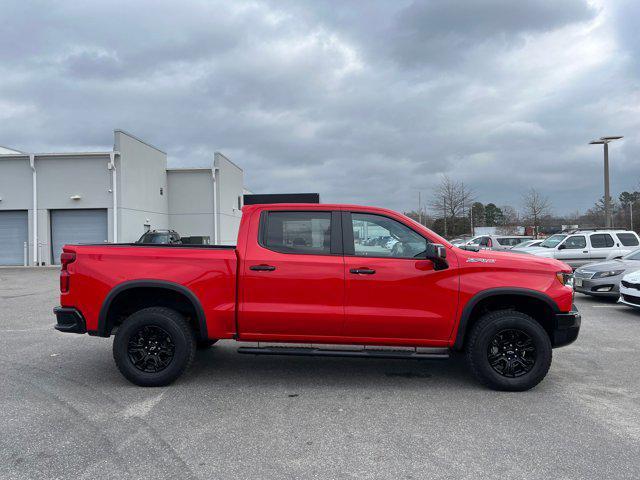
[207, 271]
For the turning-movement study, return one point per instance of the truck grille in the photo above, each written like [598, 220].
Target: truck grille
[626, 284]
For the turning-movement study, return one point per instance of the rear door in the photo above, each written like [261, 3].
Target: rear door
[292, 277]
[391, 292]
[602, 245]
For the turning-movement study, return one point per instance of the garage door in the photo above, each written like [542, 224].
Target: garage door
[13, 234]
[76, 226]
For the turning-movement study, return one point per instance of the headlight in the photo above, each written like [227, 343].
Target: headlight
[565, 278]
[609, 273]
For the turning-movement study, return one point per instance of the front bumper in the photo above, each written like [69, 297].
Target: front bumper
[69, 320]
[566, 327]
[601, 287]
[630, 297]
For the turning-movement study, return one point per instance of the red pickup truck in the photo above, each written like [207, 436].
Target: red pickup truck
[323, 280]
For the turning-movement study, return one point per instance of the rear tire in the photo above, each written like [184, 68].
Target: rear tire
[154, 346]
[509, 350]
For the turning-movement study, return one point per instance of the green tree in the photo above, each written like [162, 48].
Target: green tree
[493, 215]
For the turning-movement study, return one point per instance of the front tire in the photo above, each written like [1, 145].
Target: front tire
[509, 350]
[154, 346]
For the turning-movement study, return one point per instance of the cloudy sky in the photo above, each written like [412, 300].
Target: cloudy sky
[364, 102]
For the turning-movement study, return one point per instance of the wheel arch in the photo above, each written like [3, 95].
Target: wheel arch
[524, 300]
[180, 293]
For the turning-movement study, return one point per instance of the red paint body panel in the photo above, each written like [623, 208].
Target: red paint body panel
[208, 273]
[315, 298]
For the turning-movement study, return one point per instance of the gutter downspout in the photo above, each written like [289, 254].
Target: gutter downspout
[216, 212]
[32, 163]
[114, 192]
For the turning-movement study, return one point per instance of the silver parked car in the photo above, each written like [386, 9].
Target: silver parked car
[496, 242]
[602, 279]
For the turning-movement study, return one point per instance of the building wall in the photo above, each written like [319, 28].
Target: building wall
[16, 190]
[230, 189]
[142, 172]
[186, 203]
[60, 178]
[191, 202]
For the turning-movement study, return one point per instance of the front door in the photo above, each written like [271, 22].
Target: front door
[391, 292]
[574, 251]
[292, 279]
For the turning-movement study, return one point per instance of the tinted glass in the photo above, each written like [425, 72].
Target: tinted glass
[155, 238]
[576, 241]
[601, 240]
[627, 239]
[299, 232]
[378, 236]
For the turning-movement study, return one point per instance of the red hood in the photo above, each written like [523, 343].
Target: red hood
[511, 260]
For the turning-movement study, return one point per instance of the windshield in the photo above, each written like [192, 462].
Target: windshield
[635, 255]
[155, 238]
[553, 241]
[524, 244]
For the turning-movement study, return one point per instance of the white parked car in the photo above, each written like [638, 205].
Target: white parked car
[630, 289]
[585, 246]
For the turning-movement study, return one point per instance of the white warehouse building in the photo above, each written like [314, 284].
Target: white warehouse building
[50, 199]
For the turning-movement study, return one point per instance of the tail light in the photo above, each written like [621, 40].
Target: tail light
[65, 259]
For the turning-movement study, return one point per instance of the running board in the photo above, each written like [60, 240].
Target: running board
[403, 353]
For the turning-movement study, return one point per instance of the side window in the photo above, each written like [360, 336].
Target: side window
[485, 242]
[627, 239]
[298, 232]
[575, 242]
[601, 240]
[378, 236]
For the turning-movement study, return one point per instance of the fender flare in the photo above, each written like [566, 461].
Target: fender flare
[494, 292]
[160, 284]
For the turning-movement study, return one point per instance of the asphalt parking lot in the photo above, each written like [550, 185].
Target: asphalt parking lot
[66, 412]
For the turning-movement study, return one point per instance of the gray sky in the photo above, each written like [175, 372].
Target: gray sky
[364, 102]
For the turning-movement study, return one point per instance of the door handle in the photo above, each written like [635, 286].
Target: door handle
[262, 268]
[362, 271]
[585, 251]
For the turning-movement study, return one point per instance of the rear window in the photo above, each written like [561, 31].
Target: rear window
[627, 239]
[510, 242]
[601, 240]
[298, 232]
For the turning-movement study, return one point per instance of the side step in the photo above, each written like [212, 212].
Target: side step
[419, 353]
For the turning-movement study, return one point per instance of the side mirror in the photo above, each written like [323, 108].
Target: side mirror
[470, 248]
[562, 247]
[437, 253]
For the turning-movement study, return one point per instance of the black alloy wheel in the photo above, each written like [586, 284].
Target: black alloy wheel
[511, 353]
[151, 349]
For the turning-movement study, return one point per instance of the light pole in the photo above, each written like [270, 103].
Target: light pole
[607, 198]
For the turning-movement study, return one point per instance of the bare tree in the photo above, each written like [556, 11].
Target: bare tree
[451, 199]
[509, 215]
[536, 206]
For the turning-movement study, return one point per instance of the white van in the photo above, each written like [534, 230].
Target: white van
[585, 246]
